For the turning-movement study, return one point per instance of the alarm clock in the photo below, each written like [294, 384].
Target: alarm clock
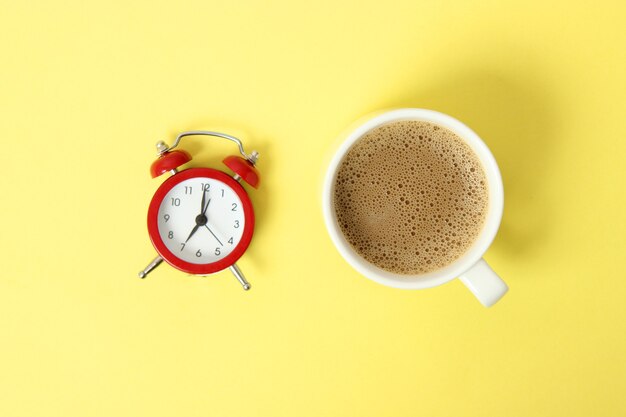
[201, 220]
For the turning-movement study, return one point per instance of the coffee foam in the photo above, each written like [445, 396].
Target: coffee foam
[410, 197]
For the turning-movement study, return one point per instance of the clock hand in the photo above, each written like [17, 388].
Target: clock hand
[195, 229]
[201, 218]
[202, 202]
[213, 235]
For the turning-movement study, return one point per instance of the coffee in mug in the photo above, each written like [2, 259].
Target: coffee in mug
[410, 197]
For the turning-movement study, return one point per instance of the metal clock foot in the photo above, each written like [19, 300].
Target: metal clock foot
[155, 262]
[239, 275]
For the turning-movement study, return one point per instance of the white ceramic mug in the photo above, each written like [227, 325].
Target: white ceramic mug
[470, 268]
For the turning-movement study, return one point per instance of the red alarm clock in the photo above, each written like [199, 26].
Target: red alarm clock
[201, 220]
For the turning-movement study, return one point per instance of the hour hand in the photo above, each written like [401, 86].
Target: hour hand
[204, 208]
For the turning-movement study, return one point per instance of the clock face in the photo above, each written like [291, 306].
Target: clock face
[200, 221]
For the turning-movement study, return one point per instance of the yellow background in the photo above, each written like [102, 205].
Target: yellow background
[87, 89]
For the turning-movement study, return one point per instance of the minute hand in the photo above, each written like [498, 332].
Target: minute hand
[195, 229]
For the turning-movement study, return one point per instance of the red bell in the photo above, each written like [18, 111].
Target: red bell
[169, 161]
[244, 168]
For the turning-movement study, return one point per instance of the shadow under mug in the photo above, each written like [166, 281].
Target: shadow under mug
[470, 268]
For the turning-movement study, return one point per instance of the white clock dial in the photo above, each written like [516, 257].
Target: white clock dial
[201, 234]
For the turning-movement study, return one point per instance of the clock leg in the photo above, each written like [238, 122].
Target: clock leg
[239, 275]
[155, 262]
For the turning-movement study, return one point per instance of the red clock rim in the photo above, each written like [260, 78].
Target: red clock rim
[172, 259]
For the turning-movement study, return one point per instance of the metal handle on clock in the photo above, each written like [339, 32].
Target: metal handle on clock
[162, 146]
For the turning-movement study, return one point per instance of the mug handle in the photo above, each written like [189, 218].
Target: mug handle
[485, 284]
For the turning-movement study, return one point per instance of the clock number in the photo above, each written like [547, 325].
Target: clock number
[222, 192]
[230, 240]
[176, 202]
[234, 207]
[166, 217]
[236, 224]
[170, 235]
[198, 254]
[217, 251]
[206, 186]
[188, 190]
[183, 247]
